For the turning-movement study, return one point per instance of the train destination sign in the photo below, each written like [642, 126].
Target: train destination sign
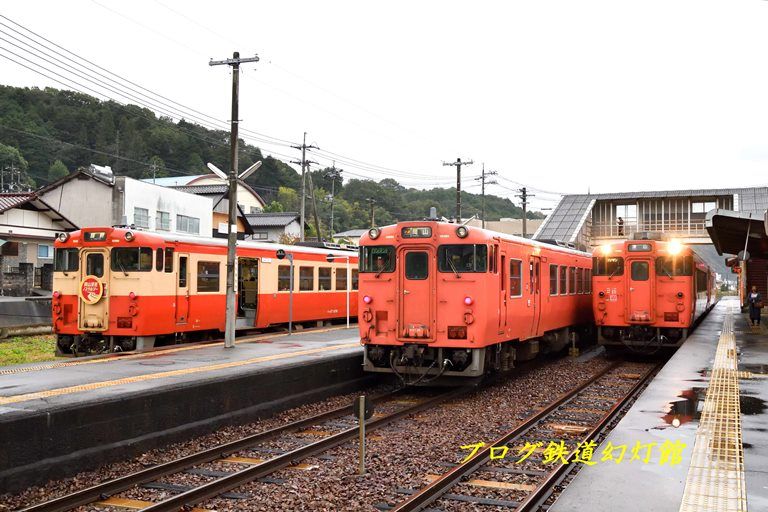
[91, 290]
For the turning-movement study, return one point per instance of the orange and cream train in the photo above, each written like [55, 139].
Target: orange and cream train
[648, 294]
[443, 300]
[118, 289]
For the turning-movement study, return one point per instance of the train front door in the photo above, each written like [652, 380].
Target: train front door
[182, 289]
[417, 297]
[534, 293]
[641, 291]
[93, 292]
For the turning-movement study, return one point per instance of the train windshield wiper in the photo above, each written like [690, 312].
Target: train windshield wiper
[453, 267]
[383, 267]
[614, 272]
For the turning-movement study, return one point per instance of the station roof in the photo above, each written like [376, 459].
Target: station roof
[731, 231]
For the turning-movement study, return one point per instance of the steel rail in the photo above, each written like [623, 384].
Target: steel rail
[430, 493]
[99, 491]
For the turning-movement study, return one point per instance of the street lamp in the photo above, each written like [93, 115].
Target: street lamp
[330, 258]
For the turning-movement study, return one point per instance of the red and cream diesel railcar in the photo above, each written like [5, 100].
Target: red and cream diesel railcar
[649, 293]
[441, 299]
[119, 289]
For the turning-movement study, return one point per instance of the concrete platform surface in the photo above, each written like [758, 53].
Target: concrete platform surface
[83, 412]
[678, 392]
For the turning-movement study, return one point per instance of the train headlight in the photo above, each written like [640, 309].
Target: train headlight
[674, 247]
[468, 301]
[129, 236]
[132, 296]
[374, 233]
[63, 237]
[367, 299]
[462, 231]
[601, 294]
[56, 295]
[605, 249]
[679, 295]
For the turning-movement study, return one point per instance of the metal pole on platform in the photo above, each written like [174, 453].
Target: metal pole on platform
[290, 295]
[349, 285]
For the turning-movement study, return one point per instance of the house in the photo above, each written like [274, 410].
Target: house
[273, 226]
[28, 226]
[248, 199]
[219, 195]
[96, 197]
[509, 226]
[351, 235]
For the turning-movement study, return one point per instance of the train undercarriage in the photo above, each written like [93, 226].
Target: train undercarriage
[645, 339]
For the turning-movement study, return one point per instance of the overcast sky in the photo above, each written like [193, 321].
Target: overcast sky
[561, 96]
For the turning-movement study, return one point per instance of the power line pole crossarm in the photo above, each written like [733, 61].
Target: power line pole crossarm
[303, 147]
[235, 61]
[524, 195]
[458, 163]
[485, 182]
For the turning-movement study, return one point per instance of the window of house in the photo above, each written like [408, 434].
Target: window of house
[284, 278]
[186, 224]
[131, 259]
[141, 218]
[515, 278]
[306, 279]
[260, 235]
[163, 221]
[44, 251]
[324, 279]
[553, 279]
[341, 279]
[208, 276]
[703, 206]
[563, 280]
[66, 260]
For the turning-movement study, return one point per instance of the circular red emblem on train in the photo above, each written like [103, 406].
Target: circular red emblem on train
[91, 290]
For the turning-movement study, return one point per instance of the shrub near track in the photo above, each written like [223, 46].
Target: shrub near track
[27, 349]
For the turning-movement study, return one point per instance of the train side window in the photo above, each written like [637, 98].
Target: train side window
[579, 280]
[182, 271]
[571, 280]
[341, 279]
[208, 276]
[284, 278]
[515, 278]
[563, 280]
[159, 260]
[355, 278]
[306, 279]
[324, 279]
[588, 278]
[168, 259]
[639, 271]
[553, 279]
[94, 264]
[66, 260]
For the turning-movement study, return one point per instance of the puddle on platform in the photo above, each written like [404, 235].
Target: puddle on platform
[687, 409]
[760, 369]
[750, 405]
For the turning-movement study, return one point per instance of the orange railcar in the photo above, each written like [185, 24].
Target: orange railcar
[118, 289]
[649, 293]
[437, 299]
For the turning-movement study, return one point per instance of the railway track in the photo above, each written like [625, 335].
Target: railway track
[576, 417]
[240, 454]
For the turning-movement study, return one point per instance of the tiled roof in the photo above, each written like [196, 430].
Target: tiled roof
[173, 181]
[201, 189]
[273, 219]
[8, 201]
[351, 232]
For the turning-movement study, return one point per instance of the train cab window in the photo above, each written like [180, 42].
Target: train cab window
[324, 279]
[572, 280]
[553, 279]
[563, 280]
[182, 271]
[515, 278]
[306, 279]
[131, 259]
[284, 278]
[168, 259]
[462, 258]
[416, 265]
[208, 276]
[159, 260]
[66, 260]
[639, 270]
[671, 266]
[94, 264]
[605, 266]
[377, 258]
[341, 279]
[355, 279]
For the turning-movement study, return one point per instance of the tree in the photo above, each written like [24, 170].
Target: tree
[156, 168]
[272, 207]
[57, 170]
[289, 198]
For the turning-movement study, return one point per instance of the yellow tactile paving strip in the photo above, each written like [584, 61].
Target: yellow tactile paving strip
[155, 353]
[716, 480]
[4, 400]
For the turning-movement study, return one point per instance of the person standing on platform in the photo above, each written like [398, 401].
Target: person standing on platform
[620, 223]
[755, 301]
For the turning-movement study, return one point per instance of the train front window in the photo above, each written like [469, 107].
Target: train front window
[607, 266]
[672, 266]
[377, 258]
[416, 265]
[66, 260]
[462, 258]
[131, 259]
[94, 264]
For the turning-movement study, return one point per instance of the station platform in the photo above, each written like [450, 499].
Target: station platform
[711, 397]
[59, 418]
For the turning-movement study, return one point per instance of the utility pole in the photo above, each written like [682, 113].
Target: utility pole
[235, 61]
[484, 182]
[371, 202]
[334, 176]
[524, 195]
[314, 206]
[458, 163]
[303, 163]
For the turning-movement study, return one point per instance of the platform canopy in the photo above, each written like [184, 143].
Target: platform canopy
[731, 231]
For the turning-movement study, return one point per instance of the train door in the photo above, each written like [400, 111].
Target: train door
[534, 292]
[503, 293]
[182, 289]
[248, 291]
[641, 290]
[93, 292]
[417, 301]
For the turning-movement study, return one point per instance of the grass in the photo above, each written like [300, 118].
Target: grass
[27, 349]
